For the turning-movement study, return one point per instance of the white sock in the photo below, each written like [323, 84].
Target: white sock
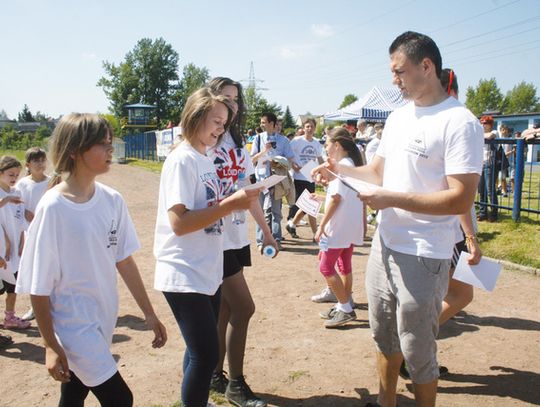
[345, 307]
[291, 224]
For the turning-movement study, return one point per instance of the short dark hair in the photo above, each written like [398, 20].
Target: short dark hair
[271, 117]
[417, 47]
[449, 80]
[34, 153]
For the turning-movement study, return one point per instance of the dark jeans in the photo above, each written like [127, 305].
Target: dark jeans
[111, 393]
[487, 189]
[197, 315]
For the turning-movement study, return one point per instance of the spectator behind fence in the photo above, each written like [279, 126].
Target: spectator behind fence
[487, 188]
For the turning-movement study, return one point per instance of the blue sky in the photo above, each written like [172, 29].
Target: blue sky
[310, 54]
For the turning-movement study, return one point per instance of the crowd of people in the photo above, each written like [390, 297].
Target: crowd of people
[428, 160]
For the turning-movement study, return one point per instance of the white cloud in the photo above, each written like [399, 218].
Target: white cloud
[322, 30]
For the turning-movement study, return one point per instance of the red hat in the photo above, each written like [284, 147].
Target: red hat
[486, 120]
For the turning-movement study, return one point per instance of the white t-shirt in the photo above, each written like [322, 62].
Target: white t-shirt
[71, 255]
[305, 151]
[346, 226]
[229, 161]
[421, 146]
[371, 149]
[192, 262]
[31, 192]
[14, 223]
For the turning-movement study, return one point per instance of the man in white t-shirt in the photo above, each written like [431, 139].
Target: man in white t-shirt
[305, 149]
[428, 164]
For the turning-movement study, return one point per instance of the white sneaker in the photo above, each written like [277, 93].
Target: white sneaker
[29, 315]
[302, 222]
[326, 295]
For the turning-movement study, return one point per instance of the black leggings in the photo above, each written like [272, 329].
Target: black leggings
[111, 393]
[196, 315]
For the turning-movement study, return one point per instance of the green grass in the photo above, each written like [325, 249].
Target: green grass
[19, 154]
[515, 242]
[154, 166]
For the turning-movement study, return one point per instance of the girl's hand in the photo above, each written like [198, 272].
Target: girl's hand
[160, 333]
[317, 197]
[57, 364]
[321, 175]
[319, 233]
[270, 241]
[14, 199]
[7, 257]
[242, 199]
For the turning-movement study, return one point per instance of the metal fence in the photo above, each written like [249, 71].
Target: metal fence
[507, 161]
[141, 146]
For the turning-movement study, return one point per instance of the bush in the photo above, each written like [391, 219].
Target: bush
[13, 140]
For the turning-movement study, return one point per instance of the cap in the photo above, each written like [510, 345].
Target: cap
[486, 120]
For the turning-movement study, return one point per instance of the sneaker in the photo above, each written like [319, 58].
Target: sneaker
[29, 315]
[302, 223]
[340, 318]
[219, 382]
[329, 313]
[292, 231]
[11, 321]
[326, 295]
[239, 394]
[404, 372]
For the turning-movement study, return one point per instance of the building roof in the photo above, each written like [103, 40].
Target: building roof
[140, 106]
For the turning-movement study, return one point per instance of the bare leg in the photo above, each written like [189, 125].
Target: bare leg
[347, 283]
[236, 293]
[388, 366]
[458, 297]
[223, 322]
[425, 394]
[10, 301]
[338, 288]
[298, 217]
[313, 224]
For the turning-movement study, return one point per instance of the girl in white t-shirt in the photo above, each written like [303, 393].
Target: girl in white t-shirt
[80, 237]
[32, 187]
[231, 158]
[13, 225]
[188, 239]
[341, 228]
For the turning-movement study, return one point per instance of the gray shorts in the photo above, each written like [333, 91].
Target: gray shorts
[405, 294]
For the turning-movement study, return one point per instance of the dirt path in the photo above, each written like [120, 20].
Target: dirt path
[492, 350]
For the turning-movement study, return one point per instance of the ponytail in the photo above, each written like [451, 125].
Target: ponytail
[343, 137]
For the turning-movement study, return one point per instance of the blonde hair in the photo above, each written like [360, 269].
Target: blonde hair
[75, 134]
[197, 107]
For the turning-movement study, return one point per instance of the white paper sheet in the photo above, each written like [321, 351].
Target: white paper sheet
[356, 184]
[306, 169]
[483, 275]
[267, 182]
[308, 204]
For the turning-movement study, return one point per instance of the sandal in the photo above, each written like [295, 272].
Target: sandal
[11, 321]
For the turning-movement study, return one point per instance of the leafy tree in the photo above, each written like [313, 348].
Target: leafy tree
[25, 115]
[148, 74]
[485, 97]
[115, 124]
[288, 119]
[347, 100]
[41, 117]
[256, 105]
[522, 99]
[193, 78]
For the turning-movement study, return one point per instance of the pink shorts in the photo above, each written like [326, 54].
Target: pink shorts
[328, 259]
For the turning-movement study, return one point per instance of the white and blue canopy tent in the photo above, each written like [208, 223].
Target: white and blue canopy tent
[375, 106]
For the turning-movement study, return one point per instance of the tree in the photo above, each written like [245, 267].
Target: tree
[522, 99]
[25, 115]
[3, 115]
[256, 105]
[148, 74]
[288, 119]
[193, 78]
[114, 121]
[347, 100]
[485, 97]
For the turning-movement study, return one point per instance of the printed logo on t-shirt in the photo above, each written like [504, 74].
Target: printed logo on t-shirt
[417, 145]
[113, 238]
[228, 165]
[212, 187]
[18, 212]
[307, 154]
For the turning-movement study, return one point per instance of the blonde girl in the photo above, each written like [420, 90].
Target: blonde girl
[188, 239]
[12, 236]
[341, 228]
[80, 238]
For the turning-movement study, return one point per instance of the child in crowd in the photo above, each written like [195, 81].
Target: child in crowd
[13, 224]
[80, 237]
[32, 187]
[188, 238]
[341, 228]
[231, 159]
